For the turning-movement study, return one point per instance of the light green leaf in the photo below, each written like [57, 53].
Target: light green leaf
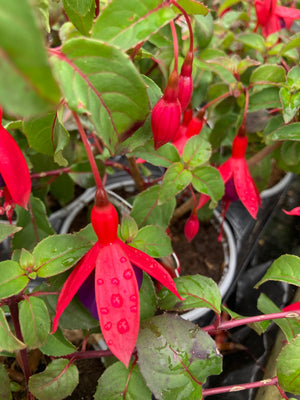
[253, 40]
[34, 321]
[288, 367]
[5, 393]
[175, 180]
[268, 73]
[208, 180]
[12, 279]
[153, 240]
[57, 345]
[27, 85]
[81, 13]
[118, 379]
[285, 269]
[7, 230]
[8, 342]
[56, 382]
[193, 7]
[196, 152]
[163, 157]
[286, 132]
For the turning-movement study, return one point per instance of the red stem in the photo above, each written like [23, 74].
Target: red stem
[210, 103]
[89, 152]
[248, 320]
[188, 21]
[175, 43]
[237, 388]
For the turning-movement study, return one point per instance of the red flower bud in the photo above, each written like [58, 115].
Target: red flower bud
[166, 114]
[191, 227]
[104, 218]
[185, 84]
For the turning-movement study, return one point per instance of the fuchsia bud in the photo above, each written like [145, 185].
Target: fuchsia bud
[191, 226]
[166, 114]
[196, 124]
[185, 83]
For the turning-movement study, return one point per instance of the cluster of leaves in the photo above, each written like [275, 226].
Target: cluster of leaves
[110, 71]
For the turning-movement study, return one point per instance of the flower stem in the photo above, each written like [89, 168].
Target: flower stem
[212, 102]
[175, 44]
[188, 21]
[88, 151]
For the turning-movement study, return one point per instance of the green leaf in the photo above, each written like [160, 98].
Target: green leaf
[197, 291]
[147, 298]
[208, 180]
[118, 379]
[175, 357]
[286, 132]
[253, 40]
[27, 85]
[7, 230]
[289, 326]
[34, 321]
[12, 279]
[58, 253]
[288, 367]
[153, 240]
[56, 382]
[289, 152]
[35, 226]
[125, 24]
[175, 180]
[163, 157]
[57, 345]
[196, 152]
[293, 43]
[204, 29]
[193, 7]
[8, 342]
[285, 269]
[128, 228]
[5, 393]
[81, 13]
[290, 95]
[268, 73]
[258, 327]
[265, 98]
[41, 7]
[100, 80]
[146, 211]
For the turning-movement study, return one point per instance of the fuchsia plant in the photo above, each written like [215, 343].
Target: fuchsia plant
[210, 102]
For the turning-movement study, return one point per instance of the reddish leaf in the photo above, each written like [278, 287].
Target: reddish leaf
[117, 300]
[74, 281]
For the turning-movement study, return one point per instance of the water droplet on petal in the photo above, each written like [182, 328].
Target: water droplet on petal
[151, 266]
[123, 259]
[133, 309]
[104, 310]
[100, 281]
[108, 326]
[110, 342]
[115, 281]
[116, 300]
[127, 274]
[132, 297]
[123, 326]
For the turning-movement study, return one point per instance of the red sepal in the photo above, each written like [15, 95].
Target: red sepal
[150, 266]
[117, 299]
[74, 281]
[292, 307]
[294, 211]
[13, 168]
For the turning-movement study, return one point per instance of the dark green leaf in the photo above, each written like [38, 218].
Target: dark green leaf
[288, 367]
[126, 24]
[99, 79]
[286, 132]
[253, 40]
[285, 269]
[258, 327]
[7, 230]
[27, 85]
[146, 210]
[34, 321]
[5, 393]
[56, 382]
[147, 298]
[8, 342]
[204, 29]
[208, 180]
[57, 345]
[175, 357]
[58, 253]
[81, 13]
[175, 180]
[265, 98]
[197, 291]
[35, 226]
[12, 279]
[118, 379]
[153, 240]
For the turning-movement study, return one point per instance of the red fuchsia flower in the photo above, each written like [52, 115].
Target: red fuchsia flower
[292, 307]
[191, 226]
[166, 114]
[272, 17]
[116, 287]
[235, 169]
[14, 173]
[189, 127]
[294, 211]
[185, 83]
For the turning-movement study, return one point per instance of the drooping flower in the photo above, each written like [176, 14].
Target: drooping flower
[116, 287]
[185, 83]
[235, 169]
[191, 226]
[14, 173]
[166, 114]
[272, 17]
[294, 211]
